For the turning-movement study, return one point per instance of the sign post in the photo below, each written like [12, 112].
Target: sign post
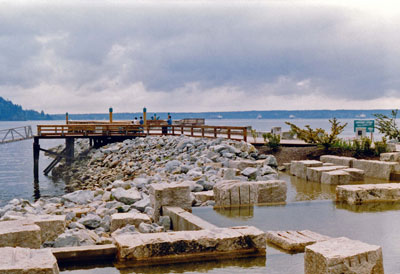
[364, 125]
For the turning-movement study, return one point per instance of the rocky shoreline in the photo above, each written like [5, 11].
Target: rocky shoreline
[116, 179]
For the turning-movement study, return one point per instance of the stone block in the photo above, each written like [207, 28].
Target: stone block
[355, 174]
[338, 160]
[88, 253]
[204, 196]
[24, 260]
[50, 225]
[228, 173]
[342, 255]
[119, 220]
[376, 169]
[20, 233]
[358, 194]
[390, 157]
[299, 168]
[190, 245]
[183, 220]
[336, 177]
[243, 164]
[294, 241]
[169, 194]
[314, 173]
[235, 193]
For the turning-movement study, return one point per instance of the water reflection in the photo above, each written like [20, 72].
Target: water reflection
[242, 212]
[369, 207]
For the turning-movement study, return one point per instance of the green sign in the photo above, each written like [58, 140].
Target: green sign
[369, 125]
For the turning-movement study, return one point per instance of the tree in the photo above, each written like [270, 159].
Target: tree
[319, 136]
[387, 125]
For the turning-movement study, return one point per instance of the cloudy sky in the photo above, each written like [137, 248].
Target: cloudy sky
[85, 56]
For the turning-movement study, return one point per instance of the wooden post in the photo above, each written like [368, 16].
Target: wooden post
[36, 153]
[245, 134]
[215, 132]
[69, 145]
[229, 133]
[191, 131]
[66, 118]
[144, 116]
[111, 115]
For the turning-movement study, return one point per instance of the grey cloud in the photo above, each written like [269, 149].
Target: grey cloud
[167, 46]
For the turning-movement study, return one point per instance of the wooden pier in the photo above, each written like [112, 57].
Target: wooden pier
[102, 133]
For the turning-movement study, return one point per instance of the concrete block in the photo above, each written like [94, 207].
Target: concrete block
[314, 173]
[183, 220]
[88, 253]
[299, 168]
[390, 157]
[376, 169]
[338, 160]
[336, 177]
[342, 255]
[358, 194]
[204, 196]
[355, 174]
[20, 233]
[169, 194]
[51, 226]
[235, 193]
[119, 220]
[24, 260]
[167, 247]
[294, 241]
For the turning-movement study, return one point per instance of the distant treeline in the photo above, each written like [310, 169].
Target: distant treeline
[13, 112]
[270, 114]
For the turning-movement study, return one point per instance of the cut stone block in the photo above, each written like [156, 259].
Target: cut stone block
[338, 160]
[204, 196]
[20, 233]
[355, 174]
[342, 255]
[168, 247]
[183, 220]
[119, 220]
[50, 225]
[358, 194]
[235, 193]
[173, 194]
[299, 168]
[295, 241]
[390, 157]
[24, 260]
[85, 253]
[336, 177]
[376, 169]
[314, 173]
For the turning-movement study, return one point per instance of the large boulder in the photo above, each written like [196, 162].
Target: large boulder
[81, 197]
[128, 197]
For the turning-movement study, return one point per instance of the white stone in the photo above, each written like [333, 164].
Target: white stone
[336, 177]
[120, 220]
[376, 169]
[358, 194]
[24, 260]
[390, 157]
[231, 193]
[184, 245]
[128, 197]
[173, 194]
[338, 160]
[204, 196]
[79, 197]
[355, 174]
[299, 168]
[50, 226]
[342, 255]
[314, 173]
[294, 241]
[183, 220]
[20, 233]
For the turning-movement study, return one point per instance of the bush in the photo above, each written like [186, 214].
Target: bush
[381, 146]
[273, 141]
[387, 125]
[254, 134]
[319, 136]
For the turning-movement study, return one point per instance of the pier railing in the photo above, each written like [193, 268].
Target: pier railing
[124, 129]
[15, 134]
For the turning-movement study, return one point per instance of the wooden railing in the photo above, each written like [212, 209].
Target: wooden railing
[15, 134]
[123, 129]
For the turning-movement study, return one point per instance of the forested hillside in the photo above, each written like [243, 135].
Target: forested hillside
[13, 112]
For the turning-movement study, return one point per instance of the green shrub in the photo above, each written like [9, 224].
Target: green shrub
[387, 125]
[273, 141]
[381, 146]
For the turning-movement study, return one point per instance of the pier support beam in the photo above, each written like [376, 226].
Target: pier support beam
[36, 153]
[69, 150]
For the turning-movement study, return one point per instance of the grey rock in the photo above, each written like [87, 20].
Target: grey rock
[146, 228]
[79, 197]
[91, 221]
[128, 197]
[172, 165]
[250, 172]
[165, 222]
[142, 204]
[271, 161]
[128, 229]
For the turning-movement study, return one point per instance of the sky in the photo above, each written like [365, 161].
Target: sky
[191, 56]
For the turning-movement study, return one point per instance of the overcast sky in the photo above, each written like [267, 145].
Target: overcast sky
[85, 56]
